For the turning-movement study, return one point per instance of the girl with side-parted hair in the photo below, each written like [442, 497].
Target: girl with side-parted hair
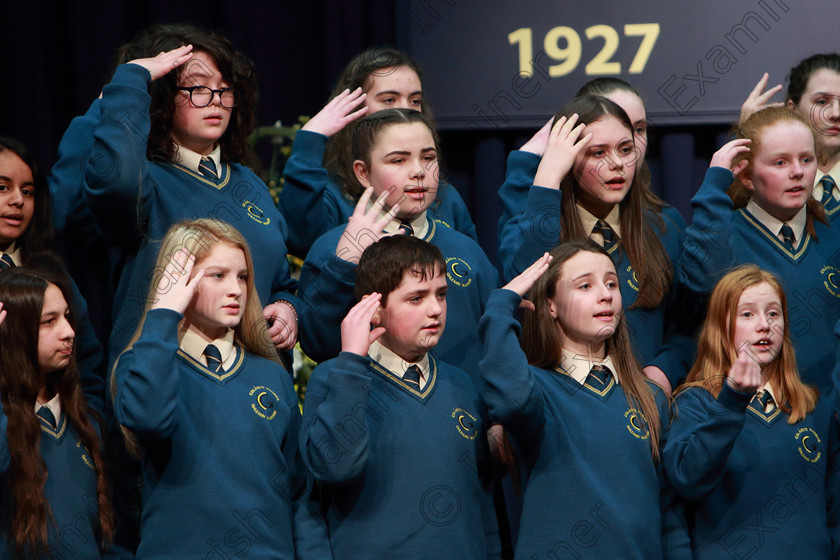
[586, 422]
[54, 492]
[747, 432]
[203, 398]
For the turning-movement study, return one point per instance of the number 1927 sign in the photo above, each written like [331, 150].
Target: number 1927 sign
[503, 64]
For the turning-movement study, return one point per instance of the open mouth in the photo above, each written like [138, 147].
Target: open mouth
[13, 219]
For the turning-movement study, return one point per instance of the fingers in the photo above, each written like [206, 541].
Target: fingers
[375, 334]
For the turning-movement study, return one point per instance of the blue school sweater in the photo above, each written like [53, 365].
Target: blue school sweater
[135, 201]
[218, 450]
[662, 336]
[326, 287]
[313, 204]
[591, 488]
[720, 238]
[70, 489]
[404, 471]
[519, 176]
[760, 487]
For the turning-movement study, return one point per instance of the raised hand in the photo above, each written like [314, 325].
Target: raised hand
[522, 283]
[356, 334]
[176, 287]
[758, 98]
[560, 152]
[745, 373]
[536, 145]
[165, 62]
[364, 228]
[725, 156]
[336, 114]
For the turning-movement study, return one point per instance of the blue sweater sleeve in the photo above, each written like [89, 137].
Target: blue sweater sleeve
[147, 387]
[326, 289]
[531, 233]
[310, 201]
[833, 486]
[676, 538]
[116, 170]
[701, 439]
[337, 390]
[706, 254]
[521, 169]
[514, 398]
[66, 179]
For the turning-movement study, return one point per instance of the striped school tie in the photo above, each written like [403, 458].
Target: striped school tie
[607, 233]
[598, 377]
[214, 359]
[412, 377]
[208, 168]
[787, 237]
[6, 262]
[47, 415]
[828, 201]
[762, 401]
[406, 229]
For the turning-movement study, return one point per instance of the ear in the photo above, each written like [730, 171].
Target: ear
[361, 171]
[376, 320]
[746, 178]
[790, 105]
[552, 308]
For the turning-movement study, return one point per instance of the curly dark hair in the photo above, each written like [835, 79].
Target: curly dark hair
[236, 68]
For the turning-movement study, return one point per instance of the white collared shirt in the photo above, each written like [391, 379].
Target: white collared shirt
[578, 366]
[835, 174]
[396, 364]
[589, 221]
[797, 223]
[191, 159]
[194, 344]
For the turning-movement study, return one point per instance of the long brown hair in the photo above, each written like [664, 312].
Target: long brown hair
[716, 351]
[22, 293]
[753, 128]
[543, 344]
[198, 237]
[645, 251]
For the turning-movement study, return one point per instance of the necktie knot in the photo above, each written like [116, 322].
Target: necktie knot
[214, 358]
[406, 229]
[412, 377]
[207, 167]
[46, 414]
[598, 376]
[787, 236]
[6, 262]
[606, 232]
[763, 400]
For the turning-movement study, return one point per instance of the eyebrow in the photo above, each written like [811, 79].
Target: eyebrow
[394, 92]
[29, 183]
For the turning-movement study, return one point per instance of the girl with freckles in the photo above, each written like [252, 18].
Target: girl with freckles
[755, 207]
[750, 444]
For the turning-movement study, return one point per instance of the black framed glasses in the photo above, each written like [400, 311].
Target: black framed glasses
[202, 96]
